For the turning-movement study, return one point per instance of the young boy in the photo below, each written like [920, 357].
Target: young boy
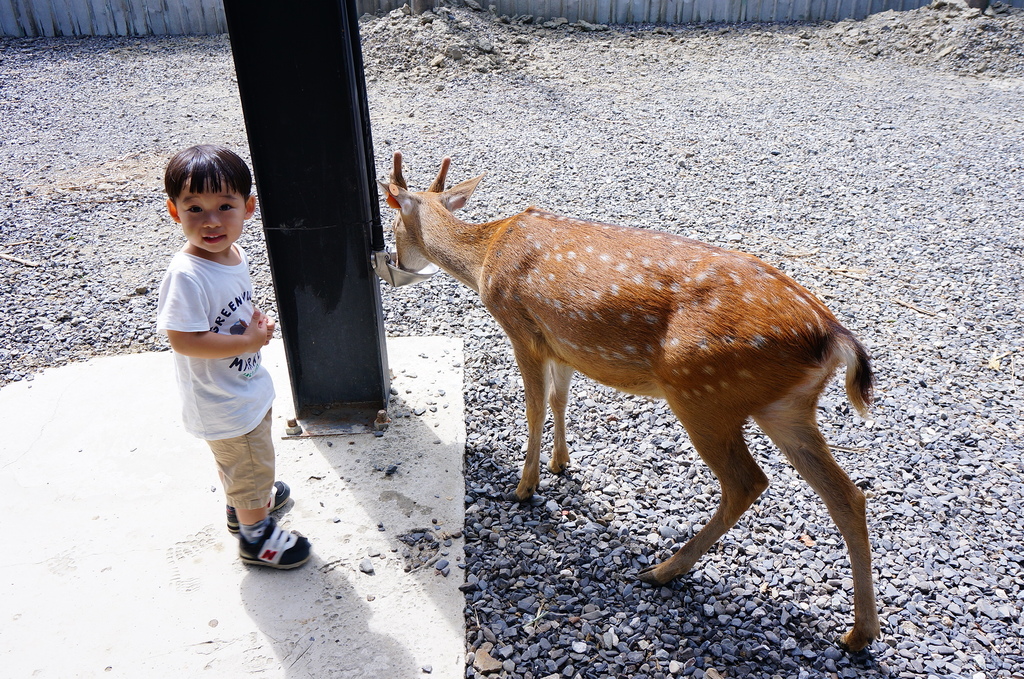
[216, 334]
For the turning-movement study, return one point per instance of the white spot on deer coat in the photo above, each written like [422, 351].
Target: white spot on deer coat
[703, 276]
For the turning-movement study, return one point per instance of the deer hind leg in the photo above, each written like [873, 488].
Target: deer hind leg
[793, 428]
[742, 481]
[558, 396]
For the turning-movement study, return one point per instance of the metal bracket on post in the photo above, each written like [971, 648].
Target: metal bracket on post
[396, 276]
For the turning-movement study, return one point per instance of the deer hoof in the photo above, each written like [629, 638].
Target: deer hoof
[853, 641]
[651, 576]
[521, 494]
[558, 468]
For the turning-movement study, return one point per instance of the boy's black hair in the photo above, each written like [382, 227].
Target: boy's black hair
[207, 169]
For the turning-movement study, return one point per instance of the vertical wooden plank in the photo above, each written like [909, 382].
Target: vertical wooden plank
[831, 10]
[205, 18]
[94, 13]
[220, 21]
[641, 11]
[588, 11]
[191, 16]
[668, 11]
[156, 17]
[60, 18]
[186, 9]
[44, 18]
[26, 18]
[700, 11]
[102, 18]
[751, 10]
[173, 17]
[621, 11]
[684, 11]
[785, 11]
[9, 24]
[719, 10]
[118, 17]
[138, 18]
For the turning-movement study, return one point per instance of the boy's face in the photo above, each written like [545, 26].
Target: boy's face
[212, 222]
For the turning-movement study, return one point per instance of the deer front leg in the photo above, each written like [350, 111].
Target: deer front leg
[535, 385]
[558, 396]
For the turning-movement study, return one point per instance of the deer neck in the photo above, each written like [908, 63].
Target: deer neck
[458, 247]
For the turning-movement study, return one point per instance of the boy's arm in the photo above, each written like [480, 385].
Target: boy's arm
[206, 344]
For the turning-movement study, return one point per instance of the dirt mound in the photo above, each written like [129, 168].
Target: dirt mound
[459, 41]
[946, 33]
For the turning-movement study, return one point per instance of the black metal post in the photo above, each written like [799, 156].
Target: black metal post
[300, 77]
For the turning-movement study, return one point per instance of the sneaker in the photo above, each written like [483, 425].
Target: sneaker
[277, 548]
[279, 495]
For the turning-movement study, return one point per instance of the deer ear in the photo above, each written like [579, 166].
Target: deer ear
[457, 196]
[390, 193]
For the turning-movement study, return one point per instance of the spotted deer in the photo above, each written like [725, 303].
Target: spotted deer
[720, 335]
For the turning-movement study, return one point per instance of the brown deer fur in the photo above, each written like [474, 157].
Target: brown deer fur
[721, 336]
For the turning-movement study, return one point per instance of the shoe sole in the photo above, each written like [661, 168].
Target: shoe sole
[251, 561]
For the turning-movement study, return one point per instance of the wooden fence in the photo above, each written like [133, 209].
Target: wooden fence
[32, 18]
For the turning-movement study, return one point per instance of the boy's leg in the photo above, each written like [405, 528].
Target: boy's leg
[246, 464]
[280, 495]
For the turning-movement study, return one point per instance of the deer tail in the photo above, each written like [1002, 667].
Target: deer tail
[860, 378]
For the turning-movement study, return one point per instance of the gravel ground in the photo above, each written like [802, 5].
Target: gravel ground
[880, 163]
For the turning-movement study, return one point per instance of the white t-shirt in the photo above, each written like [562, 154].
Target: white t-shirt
[226, 397]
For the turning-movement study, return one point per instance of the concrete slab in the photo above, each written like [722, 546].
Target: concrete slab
[119, 563]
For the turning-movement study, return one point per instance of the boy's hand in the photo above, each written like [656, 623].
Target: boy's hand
[270, 328]
[256, 333]
[206, 344]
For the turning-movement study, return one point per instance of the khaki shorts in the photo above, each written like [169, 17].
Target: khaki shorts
[246, 465]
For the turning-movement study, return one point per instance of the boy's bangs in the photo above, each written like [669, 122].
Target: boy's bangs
[207, 169]
[208, 178]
